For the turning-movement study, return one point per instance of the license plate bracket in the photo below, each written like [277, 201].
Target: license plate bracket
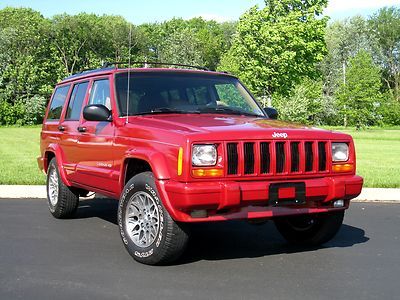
[298, 199]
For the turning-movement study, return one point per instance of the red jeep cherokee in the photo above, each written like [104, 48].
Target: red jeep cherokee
[181, 146]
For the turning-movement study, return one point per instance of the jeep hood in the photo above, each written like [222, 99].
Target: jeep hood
[230, 127]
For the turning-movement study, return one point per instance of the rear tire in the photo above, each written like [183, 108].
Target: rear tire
[310, 230]
[61, 199]
[147, 230]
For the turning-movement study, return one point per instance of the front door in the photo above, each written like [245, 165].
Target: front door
[69, 128]
[95, 144]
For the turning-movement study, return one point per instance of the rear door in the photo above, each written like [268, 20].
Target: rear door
[95, 143]
[52, 131]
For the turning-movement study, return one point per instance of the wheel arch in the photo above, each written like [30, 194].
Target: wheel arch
[54, 151]
[138, 161]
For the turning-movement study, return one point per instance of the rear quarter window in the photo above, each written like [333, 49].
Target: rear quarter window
[57, 103]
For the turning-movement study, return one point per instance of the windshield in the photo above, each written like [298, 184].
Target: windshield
[168, 92]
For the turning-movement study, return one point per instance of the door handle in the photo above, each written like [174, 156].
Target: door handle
[61, 128]
[82, 129]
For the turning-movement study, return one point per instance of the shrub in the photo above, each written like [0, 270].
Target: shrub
[27, 111]
[389, 110]
[303, 105]
[7, 113]
[34, 110]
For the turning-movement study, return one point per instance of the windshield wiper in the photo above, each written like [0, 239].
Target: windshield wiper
[166, 110]
[229, 110]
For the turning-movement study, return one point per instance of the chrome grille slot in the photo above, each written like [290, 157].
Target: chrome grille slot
[248, 150]
[280, 156]
[265, 160]
[309, 156]
[295, 157]
[321, 156]
[233, 158]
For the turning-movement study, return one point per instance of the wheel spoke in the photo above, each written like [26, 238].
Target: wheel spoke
[142, 219]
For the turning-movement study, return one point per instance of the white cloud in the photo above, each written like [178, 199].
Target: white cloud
[335, 6]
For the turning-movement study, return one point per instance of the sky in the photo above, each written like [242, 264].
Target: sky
[144, 11]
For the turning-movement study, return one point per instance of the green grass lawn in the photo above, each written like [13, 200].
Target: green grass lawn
[19, 147]
[378, 156]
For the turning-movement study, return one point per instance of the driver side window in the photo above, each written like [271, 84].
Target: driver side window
[100, 93]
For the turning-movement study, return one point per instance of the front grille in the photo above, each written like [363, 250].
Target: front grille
[276, 157]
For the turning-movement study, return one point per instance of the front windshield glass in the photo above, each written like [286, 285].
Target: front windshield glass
[169, 92]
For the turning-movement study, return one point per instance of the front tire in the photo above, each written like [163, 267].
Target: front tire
[61, 199]
[310, 230]
[147, 230]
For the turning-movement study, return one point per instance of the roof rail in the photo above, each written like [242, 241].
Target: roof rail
[147, 64]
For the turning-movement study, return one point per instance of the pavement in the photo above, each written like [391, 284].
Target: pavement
[83, 258]
[39, 191]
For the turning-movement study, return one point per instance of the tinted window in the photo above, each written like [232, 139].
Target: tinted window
[229, 95]
[76, 101]
[182, 92]
[100, 93]
[57, 102]
[198, 95]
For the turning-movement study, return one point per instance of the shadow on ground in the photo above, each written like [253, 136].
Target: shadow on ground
[227, 240]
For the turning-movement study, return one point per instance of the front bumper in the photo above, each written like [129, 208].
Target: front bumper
[228, 200]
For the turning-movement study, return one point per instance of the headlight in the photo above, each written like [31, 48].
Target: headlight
[340, 152]
[204, 155]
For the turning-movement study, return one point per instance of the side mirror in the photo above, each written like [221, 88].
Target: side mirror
[271, 112]
[96, 112]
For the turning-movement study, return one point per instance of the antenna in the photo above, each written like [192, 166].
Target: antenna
[129, 73]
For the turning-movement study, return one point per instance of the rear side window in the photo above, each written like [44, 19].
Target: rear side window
[76, 101]
[100, 93]
[57, 102]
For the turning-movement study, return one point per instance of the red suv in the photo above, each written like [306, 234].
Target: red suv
[178, 146]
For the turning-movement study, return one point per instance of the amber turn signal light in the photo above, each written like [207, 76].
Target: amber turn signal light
[343, 168]
[208, 172]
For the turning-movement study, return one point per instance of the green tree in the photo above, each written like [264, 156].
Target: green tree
[25, 69]
[114, 35]
[359, 98]
[344, 39]
[75, 39]
[275, 47]
[385, 28]
[181, 47]
[210, 39]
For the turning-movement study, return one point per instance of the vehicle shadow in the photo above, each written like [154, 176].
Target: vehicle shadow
[103, 208]
[227, 240]
[239, 239]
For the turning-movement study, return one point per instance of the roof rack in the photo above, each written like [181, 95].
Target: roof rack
[113, 65]
[85, 71]
[147, 64]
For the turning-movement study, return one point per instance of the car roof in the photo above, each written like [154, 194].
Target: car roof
[113, 70]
